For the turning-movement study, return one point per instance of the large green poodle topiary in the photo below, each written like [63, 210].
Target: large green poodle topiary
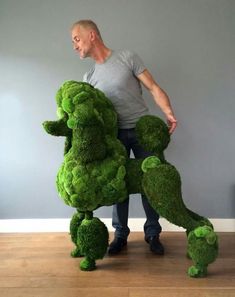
[97, 172]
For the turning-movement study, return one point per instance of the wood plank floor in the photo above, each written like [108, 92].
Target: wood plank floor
[39, 265]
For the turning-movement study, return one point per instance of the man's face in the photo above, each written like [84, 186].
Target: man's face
[81, 39]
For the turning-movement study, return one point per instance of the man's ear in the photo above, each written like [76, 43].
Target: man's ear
[92, 35]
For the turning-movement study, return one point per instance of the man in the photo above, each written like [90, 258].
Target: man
[119, 75]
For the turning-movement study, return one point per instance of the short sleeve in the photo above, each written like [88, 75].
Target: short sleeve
[84, 77]
[136, 63]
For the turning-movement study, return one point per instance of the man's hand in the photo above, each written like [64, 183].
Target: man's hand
[171, 122]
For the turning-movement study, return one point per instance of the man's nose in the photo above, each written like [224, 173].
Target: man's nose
[75, 46]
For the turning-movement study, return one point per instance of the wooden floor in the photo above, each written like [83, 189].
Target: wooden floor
[40, 265]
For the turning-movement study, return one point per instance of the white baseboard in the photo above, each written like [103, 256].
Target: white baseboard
[62, 225]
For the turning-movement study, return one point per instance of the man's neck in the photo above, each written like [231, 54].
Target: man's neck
[100, 53]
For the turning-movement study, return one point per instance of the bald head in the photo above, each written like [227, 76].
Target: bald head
[87, 41]
[87, 25]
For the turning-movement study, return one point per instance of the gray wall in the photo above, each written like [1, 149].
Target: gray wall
[188, 46]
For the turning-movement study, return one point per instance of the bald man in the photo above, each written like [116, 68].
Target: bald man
[119, 74]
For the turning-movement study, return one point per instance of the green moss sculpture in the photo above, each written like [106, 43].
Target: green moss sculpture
[97, 172]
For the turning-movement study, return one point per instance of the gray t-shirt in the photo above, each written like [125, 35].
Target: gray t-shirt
[117, 78]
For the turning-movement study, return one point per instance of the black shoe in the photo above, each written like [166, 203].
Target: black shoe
[155, 245]
[116, 245]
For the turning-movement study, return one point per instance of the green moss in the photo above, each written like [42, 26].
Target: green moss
[88, 264]
[96, 172]
[93, 238]
[153, 134]
[150, 162]
[57, 128]
[202, 248]
[74, 224]
[197, 271]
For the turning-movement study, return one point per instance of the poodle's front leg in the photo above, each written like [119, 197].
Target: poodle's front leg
[92, 239]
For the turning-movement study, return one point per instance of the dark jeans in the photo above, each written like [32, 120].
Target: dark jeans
[120, 210]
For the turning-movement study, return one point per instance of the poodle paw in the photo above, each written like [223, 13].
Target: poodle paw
[195, 271]
[87, 265]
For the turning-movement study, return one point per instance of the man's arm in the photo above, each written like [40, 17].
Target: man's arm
[160, 97]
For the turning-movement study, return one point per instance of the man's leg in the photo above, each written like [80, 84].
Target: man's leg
[120, 219]
[120, 211]
[152, 228]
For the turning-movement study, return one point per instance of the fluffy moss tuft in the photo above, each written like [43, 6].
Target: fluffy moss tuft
[153, 134]
[93, 238]
[203, 245]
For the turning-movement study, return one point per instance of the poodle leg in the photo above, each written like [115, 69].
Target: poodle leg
[203, 250]
[74, 225]
[202, 221]
[162, 186]
[92, 239]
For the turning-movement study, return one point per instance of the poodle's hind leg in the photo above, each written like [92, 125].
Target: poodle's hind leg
[202, 221]
[162, 186]
[202, 249]
[74, 225]
[92, 239]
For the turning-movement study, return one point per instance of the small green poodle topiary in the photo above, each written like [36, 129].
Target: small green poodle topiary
[97, 172]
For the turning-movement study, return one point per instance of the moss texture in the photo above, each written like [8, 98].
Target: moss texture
[74, 225]
[92, 238]
[96, 172]
[93, 171]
